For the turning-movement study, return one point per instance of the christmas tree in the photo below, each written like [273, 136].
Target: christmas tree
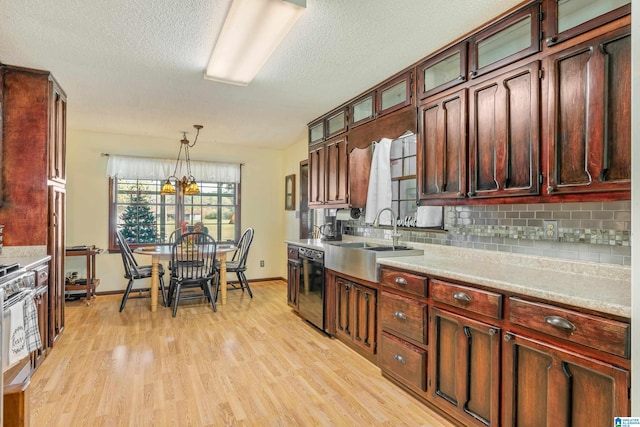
[139, 221]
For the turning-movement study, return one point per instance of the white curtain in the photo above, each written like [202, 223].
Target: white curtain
[147, 168]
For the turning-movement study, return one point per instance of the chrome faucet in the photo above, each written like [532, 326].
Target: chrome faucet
[394, 222]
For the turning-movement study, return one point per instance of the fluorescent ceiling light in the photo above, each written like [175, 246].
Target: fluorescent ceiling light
[251, 32]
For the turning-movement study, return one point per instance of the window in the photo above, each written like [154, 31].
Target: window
[403, 177]
[144, 216]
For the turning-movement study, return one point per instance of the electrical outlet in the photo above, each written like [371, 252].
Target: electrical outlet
[261, 263]
[550, 230]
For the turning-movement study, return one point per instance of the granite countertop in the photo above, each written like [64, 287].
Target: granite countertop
[27, 256]
[600, 287]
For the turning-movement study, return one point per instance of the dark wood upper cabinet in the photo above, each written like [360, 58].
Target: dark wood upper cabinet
[337, 171]
[57, 155]
[512, 38]
[328, 126]
[316, 132]
[363, 109]
[565, 19]
[504, 134]
[336, 123]
[442, 71]
[590, 116]
[394, 94]
[317, 168]
[390, 96]
[442, 147]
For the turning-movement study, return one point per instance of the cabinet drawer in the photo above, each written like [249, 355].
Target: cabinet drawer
[404, 360]
[474, 300]
[597, 332]
[42, 275]
[292, 252]
[404, 316]
[407, 282]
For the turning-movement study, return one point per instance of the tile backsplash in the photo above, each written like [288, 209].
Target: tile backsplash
[588, 231]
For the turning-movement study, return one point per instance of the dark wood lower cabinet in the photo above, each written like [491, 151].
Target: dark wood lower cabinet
[356, 316]
[547, 386]
[464, 375]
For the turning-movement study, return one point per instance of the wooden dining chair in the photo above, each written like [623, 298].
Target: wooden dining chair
[238, 263]
[193, 269]
[133, 272]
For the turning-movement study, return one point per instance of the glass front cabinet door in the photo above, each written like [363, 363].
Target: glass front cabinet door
[508, 40]
[394, 94]
[362, 110]
[442, 71]
[316, 132]
[569, 18]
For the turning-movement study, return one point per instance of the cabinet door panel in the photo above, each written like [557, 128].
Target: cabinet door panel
[442, 147]
[343, 308]
[394, 94]
[466, 372]
[57, 133]
[364, 332]
[504, 135]
[570, 18]
[589, 116]
[446, 358]
[510, 39]
[336, 191]
[317, 160]
[545, 385]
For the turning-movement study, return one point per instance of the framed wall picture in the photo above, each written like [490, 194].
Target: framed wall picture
[290, 192]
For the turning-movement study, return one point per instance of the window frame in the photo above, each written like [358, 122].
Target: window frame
[113, 215]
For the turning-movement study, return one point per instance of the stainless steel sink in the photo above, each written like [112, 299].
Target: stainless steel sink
[358, 259]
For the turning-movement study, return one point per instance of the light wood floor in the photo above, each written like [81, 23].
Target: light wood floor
[253, 363]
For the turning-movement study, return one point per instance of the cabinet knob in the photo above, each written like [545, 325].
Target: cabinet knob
[560, 323]
[399, 358]
[473, 73]
[460, 194]
[551, 40]
[550, 189]
[400, 315]
[461, 77]
[508, 337]
[471, 193]
[401, 281]
[461, 297]
[492, 331]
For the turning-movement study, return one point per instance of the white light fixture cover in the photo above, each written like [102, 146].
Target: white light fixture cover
[251, 32]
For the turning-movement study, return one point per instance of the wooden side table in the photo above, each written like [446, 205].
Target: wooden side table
[92, 282]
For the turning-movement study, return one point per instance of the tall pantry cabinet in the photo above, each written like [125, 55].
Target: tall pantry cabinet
[33, 172]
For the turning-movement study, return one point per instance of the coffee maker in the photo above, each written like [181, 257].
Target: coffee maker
[330, 231]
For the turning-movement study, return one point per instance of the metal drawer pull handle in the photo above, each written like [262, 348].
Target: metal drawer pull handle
[400, 315]
[560, 322]
[462, 297]
[401, 281]
[399, 358]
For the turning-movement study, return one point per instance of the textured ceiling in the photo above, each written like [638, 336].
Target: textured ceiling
[136, 66]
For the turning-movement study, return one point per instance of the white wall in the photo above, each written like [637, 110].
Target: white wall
[88, 192]
[292, 157]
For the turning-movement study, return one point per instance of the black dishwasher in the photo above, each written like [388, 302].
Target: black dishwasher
[311, 292]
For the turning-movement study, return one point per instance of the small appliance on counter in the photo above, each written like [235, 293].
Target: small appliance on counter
[330, 231]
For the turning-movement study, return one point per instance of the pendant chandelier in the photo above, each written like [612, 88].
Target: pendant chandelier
[188, 182]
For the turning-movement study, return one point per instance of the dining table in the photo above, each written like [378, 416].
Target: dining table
[163, 253]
